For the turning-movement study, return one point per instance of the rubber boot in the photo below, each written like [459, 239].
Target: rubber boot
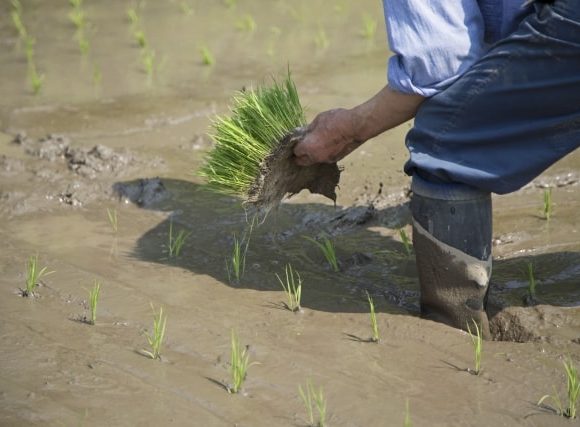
[452, 230]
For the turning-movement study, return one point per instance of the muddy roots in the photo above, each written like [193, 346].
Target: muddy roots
[280, 175]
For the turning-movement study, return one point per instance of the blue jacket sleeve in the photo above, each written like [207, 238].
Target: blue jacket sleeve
[433, 41]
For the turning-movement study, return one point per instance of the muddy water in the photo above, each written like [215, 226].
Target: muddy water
[149, 134]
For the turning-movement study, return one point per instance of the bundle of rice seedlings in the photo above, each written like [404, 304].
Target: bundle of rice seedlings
[252, 157]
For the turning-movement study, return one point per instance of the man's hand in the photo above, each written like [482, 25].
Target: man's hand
[328, 138]
[336, 133]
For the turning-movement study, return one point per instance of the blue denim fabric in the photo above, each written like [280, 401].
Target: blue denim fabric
[515, 112]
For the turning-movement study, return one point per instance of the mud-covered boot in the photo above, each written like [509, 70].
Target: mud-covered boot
[452, 229]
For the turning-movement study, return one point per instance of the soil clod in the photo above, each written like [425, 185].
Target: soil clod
[280, 175]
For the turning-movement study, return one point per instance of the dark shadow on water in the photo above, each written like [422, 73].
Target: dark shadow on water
[370, 261]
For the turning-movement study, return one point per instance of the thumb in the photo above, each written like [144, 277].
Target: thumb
[303, 161]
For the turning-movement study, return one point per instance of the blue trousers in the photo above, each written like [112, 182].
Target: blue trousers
[511, 115]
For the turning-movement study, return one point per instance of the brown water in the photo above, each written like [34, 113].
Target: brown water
[55, 370]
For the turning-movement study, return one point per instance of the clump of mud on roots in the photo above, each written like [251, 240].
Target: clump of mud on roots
[253, 153]
[280, 175]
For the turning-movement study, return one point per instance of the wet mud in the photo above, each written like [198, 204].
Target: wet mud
[281, 177]
[132, 145]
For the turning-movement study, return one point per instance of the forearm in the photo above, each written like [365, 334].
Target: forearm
[335, 133]
[387, 109]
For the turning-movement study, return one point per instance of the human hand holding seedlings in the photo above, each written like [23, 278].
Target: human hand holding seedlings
[329, 138]
[336, 133]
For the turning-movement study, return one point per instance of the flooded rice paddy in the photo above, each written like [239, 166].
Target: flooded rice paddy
[119, 125]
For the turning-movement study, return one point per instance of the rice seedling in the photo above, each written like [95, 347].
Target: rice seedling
[78, 17]
[140, 38]
[477, 341]
[548, 207]
[312, 399]
[246, 23]
[148, 61]
[133, 17]
[374, 326]
[327, 248]
[239, 364]
[17, 6]
[33, 276]
[570, 408]
[207, 57]
[236, 266]
[186, 8]
[94, 300]
[531, 280]
[321, 39]
[230, 4]
[36, 80]
[135, 24]
[407, 420]
[155, 340]
[406, 241]
[259, 120]
[16, 15]
[292, 286]
[97, 82]
[176, 242]
[29, 44]
[369, 27]
[83, 43]
[113, 219]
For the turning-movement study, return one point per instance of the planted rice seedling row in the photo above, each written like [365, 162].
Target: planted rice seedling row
[313, 398]
[146, 53]
[78, 17]
[34, 274]
[16, 16]
[35, 79]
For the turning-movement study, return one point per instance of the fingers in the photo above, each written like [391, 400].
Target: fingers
[302, 152]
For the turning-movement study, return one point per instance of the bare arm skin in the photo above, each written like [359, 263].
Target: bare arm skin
[335, 133]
